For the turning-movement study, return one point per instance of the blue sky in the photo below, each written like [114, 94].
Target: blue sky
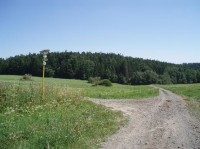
[164, 30]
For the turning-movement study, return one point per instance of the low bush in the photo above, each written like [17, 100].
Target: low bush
[105, 82]
[97, 81]
[26, 77]
[94, 80]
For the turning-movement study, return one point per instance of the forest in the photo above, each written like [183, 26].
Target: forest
[115, 67]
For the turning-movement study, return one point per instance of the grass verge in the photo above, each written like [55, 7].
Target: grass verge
[60, 120]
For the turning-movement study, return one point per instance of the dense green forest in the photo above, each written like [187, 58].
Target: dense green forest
[116, 67]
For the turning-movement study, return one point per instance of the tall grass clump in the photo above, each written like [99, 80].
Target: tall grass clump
[17, 96]
[62, 119]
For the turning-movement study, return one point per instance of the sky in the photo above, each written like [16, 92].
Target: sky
[164, 30]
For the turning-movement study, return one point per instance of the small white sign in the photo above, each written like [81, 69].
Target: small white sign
[44, 63]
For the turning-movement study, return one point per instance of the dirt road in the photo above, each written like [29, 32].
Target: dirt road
[162, 122]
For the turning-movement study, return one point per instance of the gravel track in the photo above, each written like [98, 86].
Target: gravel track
[162, 122]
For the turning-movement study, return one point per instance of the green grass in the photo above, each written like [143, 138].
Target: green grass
[60, 120]
[9, 77]
[116, 91]
[190, 92]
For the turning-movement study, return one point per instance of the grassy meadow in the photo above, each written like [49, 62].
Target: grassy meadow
[61, 119]
[117, 91]
[190, 92]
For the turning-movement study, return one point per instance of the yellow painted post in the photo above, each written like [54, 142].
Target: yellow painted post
[44, 53]
[43, 70]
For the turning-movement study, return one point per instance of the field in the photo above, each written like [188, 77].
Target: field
[61, 119]
[190, 92]
[117, 91]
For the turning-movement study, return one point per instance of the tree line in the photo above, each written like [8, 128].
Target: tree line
[115, 67]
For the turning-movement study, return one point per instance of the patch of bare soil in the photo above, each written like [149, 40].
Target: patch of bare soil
[162, 122]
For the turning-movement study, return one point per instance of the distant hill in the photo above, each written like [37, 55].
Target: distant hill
[116, 67]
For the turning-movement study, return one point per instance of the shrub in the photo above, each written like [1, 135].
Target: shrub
[97, 81]
[90, 79]
[26, 77]
[105, 82]
[94, 80]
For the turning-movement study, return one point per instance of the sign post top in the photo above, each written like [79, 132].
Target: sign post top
[44, 52]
